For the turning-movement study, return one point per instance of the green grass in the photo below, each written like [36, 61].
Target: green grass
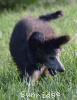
[61, 87]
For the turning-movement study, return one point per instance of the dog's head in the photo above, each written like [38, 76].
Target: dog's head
[48, 52]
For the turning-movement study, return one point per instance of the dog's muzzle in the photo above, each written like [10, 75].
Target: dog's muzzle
[54, 66]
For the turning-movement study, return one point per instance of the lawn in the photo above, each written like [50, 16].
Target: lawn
[61, 87]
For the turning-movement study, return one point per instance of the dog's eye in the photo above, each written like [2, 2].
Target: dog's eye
[52, 58]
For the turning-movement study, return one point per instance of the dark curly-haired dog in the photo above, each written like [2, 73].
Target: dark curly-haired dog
[35, 47]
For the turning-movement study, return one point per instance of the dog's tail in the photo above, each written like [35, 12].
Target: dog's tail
[51, 16]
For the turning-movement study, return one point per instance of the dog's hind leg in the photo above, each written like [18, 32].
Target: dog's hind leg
[51, 16]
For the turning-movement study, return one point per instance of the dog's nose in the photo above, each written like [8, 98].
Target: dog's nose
[62, 69]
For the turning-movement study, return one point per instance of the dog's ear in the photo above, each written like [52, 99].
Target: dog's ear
[36, 40]
[61, 40]
[57, 42]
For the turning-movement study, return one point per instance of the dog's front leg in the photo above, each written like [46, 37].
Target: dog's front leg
[37, 74]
